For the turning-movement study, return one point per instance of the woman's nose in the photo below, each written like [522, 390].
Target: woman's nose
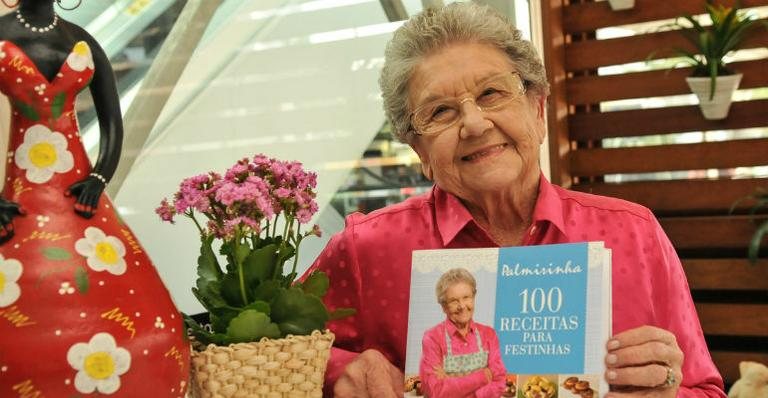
[474, 121]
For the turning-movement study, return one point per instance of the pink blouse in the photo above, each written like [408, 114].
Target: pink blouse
[474, 384]
[369, 264]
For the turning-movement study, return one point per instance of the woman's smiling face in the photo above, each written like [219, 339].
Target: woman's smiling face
[459, 303]
[484, 151]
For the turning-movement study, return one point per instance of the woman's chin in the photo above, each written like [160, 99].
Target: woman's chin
[491, 181]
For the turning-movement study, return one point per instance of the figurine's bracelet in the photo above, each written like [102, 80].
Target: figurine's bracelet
[99, 177]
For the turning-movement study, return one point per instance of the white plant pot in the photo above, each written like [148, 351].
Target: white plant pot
[716, 108]
[617, 5]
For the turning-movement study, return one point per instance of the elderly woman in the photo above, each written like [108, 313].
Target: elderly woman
[468, 94]
[459, 357]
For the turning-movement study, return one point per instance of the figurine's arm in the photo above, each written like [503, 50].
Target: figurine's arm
[107, 102]
[8, 210]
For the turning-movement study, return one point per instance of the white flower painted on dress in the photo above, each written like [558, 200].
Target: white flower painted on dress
[99, 364]
[2, 53]
[10, 271]
[80, 57]
[43, 153]
[102, 252]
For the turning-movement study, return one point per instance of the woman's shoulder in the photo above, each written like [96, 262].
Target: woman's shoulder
[603, 204]
[484, 329]
[435, 332]
[406, 209]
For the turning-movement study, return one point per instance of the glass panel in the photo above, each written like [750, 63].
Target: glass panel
[289, 78]
[390, 171]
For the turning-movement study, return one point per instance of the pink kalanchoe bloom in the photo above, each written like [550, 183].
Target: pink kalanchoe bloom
[308, 180]
[316, 231]
[245, 197]
[261, 160]
[282, 193]
[279, 172]
[193, 193]
[215, 230]
[166, 211]
[243, 221]
[304, 215]
[238, 172]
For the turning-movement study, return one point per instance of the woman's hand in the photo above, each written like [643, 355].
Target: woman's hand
[644, 362]
[370, 375]
[8, 210]
[488, 374]
[440, 373]
[88, 192]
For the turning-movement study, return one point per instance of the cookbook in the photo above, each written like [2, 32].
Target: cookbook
[549, 306]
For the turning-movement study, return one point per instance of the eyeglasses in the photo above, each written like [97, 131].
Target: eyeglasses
[454, 302]
[493, 94]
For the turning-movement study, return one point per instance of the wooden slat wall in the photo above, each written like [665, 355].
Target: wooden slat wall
[731, 295]
[592, 126]
[594, 53]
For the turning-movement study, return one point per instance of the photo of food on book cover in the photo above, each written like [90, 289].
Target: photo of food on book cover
[525, 322]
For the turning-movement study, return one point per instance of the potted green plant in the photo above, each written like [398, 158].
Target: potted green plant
[267, 330]
[760, 199]
[711, 80]
[619, 5]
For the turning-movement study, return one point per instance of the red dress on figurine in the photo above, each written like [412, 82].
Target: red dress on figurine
[83, 311]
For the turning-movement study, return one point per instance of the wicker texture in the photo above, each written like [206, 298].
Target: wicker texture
[291, 367]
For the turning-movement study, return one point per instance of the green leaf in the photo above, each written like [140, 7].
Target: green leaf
[56, 253]
[339, 313]
[230, 290]
[221, 317]
[297, 312]
[258, 305]
[57, 105]
[260, 264]
[287, 252]
[81, 280]
[287, 280]
[241, 252]
[266, 291]
[316, 283]
[203, 336]
[208, 293]
[207, 265]
[251, 325]
[757, 239]
[228, 251]
[27, 110]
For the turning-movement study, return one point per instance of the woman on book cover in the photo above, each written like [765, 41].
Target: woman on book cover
[463, 88]
[82, 308]
[460, 357]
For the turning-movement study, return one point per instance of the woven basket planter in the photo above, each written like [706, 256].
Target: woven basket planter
[272, 368]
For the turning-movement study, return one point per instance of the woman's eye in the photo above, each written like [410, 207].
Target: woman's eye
[441, 112]
[489, 96]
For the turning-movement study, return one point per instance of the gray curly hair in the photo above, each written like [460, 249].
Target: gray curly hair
[451, 277]
[434, 29]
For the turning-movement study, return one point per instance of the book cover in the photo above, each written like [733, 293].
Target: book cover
[549, 306]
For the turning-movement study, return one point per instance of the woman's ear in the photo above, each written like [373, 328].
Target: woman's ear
[540, 105]
[426, 167]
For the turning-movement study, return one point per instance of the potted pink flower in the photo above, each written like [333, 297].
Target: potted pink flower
[266, 328]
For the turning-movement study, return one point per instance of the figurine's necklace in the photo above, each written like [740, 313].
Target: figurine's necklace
[35, 28]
